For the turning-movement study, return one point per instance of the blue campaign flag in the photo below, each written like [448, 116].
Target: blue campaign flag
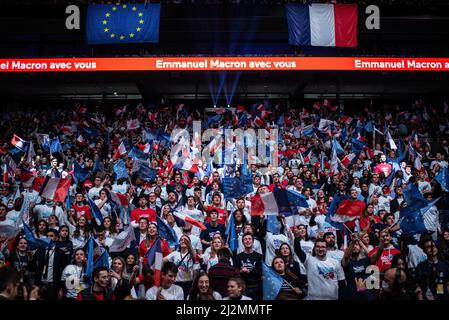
[90, 257]
[337, 146]
[411, 217]
[137, 154]
[33, 242]
[166, 232]
[66, 146]
[296, 200]
[120, 170]
[43, 140]
[272, 224]
[151, 253]
[235, 187]
[151, 135]
[443, 179]
[281, 120]
[332, 210]
[282, 201]
[272, 282]
[67, 202]
[358, 145]
[322, 161]
[55, 145]
[145, 172]
[95, 211]
[79, 173]
[414, 198]
[92, 133]
[123, 23]
[232, 237]
[344, 135]
[98, 166]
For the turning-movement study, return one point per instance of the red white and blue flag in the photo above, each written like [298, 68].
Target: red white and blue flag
[55, 188]
[324, 25]
[348, 210]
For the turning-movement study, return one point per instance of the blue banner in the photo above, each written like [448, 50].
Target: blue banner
[123, 23]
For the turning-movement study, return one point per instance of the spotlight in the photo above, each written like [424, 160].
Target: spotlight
[229, 106]
[115, 93]
[215, 105]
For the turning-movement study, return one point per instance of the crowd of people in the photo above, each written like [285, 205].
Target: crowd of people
[385, 161]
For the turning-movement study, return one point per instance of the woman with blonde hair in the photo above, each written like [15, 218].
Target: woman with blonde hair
[210, 257]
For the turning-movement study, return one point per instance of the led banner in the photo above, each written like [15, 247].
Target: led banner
[224, 64]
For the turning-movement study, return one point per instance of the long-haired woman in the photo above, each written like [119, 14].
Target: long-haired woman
[201, 289]
[73, 278]
[145, 245]
[291, 288]
[119, 284]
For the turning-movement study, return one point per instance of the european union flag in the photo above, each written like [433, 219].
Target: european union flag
[237, 186]
[166, 232]
[232, 237]
[281, 197]
[55, 145]
[98, 166]
[123, 23]
[272, 282]
[80, 173]
[443, 178]
[120, 170]
[137, 154]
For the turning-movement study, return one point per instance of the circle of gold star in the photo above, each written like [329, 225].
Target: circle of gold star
[117, 7]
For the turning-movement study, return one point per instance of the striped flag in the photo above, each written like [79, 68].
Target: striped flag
[264, 204]
[55, 189]
[154, 256]
[325, 25]
[189, 219]
[19, 143]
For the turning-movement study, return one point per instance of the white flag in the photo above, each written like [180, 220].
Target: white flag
[122, 240]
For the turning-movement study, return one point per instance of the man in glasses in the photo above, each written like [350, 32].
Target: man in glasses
[432, 275]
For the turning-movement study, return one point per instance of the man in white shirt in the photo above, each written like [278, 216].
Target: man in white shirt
[439, 159]
[168, 289]
[325, 275]
[95, 190]
[332, 251]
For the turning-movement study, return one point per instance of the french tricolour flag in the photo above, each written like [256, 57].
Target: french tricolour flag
[264, 204]
[19, 143]
[55, 188]
[324, 25]
[189, 219]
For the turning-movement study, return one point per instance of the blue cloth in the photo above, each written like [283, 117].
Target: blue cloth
[298, 20]
[79, 173]
[151, 253]
[232, 237]
[282, 201]
[120, 170]
[443, 179]
[98, 166]
[55, 145]
[236, 187]
[136, 153]
[95, 211]
[272, 282]
[296, 200]
[33, 242]
[166, 232]
[122, 23]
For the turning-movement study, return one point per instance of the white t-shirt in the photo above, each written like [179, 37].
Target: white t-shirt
[415, 256]
[256, 246]
[323, 277]
[195, 241]
[243, 298]
[94, 192]
[186, 268]
[273, 242]
[424, 186]
[44, 211]
[173, 293]
[73, 275]
[105, 209]
[335, 254]
[430, 217]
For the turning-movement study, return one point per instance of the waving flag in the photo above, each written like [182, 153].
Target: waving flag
[122, 240]
[98, 166]
[122, 23]
[95, 211]
[283, 202]
[80, 174]
[33, 242]
[272, 282]
[326, 25]
[137, 154]
[235, 187]
[166, 232]
[231, 235]
[43, 140]
[348, 210]
[443, 179]
[19, 143]
[117, 198]
[55, 145]
[331, 211]
[264, 204]
[337, 146]
[296, 200]
[154, 256]
[55, 188]
[120, 170]
[144, 171]
[97, 256]
[186, 218]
